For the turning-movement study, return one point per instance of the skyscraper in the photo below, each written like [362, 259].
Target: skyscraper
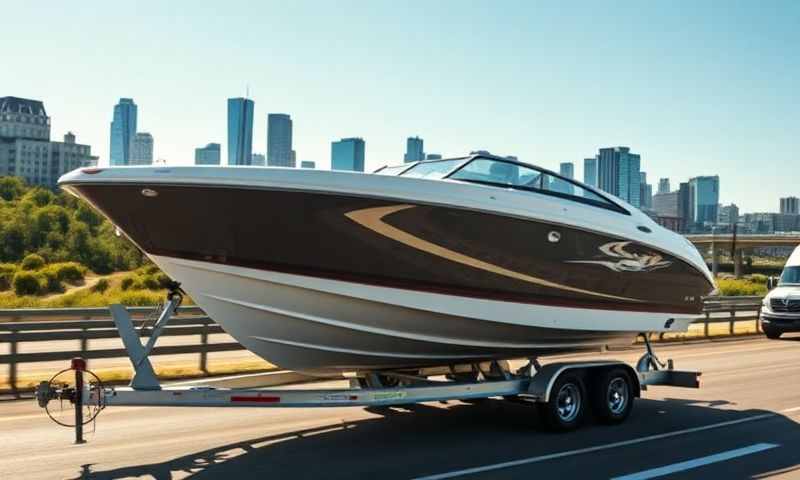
[258, 160]
[618, 174]
[240, 131]
[279, 140]
[123, 131]
[348, 154]
[414, 150]
[790, 205]
[663, 185]
[566, 169]
[645, 191]
[208, 155]
[704, 199]
[433, 156]
[142, 149]
[590, 171]
[307, 164]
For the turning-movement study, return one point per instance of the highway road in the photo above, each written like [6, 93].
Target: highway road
[742, 423]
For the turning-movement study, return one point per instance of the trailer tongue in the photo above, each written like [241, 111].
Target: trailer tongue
[562, 391]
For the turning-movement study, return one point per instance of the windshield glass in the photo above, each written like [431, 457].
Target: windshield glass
[496, 172]
[435, 170]
[790, 275]
[396, 170]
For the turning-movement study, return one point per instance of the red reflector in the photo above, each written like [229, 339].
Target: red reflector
[91, 171]
[258, 399]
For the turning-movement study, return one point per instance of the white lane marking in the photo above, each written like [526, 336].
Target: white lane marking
[552, 456]
[697, 462]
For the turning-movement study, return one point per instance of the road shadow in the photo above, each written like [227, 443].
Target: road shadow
[425, 439]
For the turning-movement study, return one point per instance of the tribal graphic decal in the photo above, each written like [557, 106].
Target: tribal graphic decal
[624, 261]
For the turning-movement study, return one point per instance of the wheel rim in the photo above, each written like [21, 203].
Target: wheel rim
[568, 402]
[617, 395]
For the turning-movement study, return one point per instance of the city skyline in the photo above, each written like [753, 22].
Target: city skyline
[686, 98]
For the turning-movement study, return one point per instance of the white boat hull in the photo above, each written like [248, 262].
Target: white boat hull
[322, 325]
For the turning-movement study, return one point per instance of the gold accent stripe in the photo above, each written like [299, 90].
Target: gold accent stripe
[372, 218]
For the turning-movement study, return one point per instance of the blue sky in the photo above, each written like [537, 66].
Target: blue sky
[697, 88]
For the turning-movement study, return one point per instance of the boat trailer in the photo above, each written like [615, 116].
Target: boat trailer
[562, 391]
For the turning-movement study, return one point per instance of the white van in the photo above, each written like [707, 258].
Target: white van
[780, 310]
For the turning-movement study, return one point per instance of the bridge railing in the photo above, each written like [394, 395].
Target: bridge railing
[23, 326]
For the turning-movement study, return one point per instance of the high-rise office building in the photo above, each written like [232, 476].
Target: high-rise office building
[433, 156]
[790, 205]
[240, 131]
[123, 132]
[685, 202]
[208, 155]
[618, 174]
[728, 214]
[258, 160]
[348, 154]
[590, 171]
[663, 185]
[566, 169]
[308, 164]
[645, 191]
[415, 150]
[279, 140]
[142, 149]
[25, 147]
[704, 199]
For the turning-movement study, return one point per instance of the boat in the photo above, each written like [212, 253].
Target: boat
[430, 263]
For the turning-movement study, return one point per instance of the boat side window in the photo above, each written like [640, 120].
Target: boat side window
[435, 170]
[790, 275]
[495, 172]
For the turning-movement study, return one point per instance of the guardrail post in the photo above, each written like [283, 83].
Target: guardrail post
[12, 365]
[204, 350]
[758, 321]
[84, 343]
[733, 321]
[705, 326]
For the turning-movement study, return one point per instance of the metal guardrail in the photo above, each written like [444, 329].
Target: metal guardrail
[85, 324]
[19, 326]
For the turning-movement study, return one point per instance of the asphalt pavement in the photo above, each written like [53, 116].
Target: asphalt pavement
[741, 423]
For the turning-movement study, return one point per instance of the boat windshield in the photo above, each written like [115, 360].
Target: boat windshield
[396, 170]
[512, 175]
[433, 170]
[790, 275]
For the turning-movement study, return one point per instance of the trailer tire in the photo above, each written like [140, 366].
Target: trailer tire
[612, 396]
[565, 409]
[771, 333]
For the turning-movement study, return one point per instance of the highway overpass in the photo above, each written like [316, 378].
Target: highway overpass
[718, 242]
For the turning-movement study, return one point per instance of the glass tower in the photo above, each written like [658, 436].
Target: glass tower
[704, 199]
[414, 150]
[123, 132]
[590, 171]
[348, 154]
[240, 131]
[208, 155]
[279, 140]
[618, 173]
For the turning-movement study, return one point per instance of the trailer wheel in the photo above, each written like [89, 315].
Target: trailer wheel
[612, 396]
[564, 411]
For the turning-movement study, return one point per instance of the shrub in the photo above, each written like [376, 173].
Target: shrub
[7, 271]
[101, 285]
[139, 298]
[71, 272]
[149, 282]
[128, 282]
[32, 262]
[163, 280]
[49, 281]
[759, 278]
[732, 287]
[26, 283]
[151, 269]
